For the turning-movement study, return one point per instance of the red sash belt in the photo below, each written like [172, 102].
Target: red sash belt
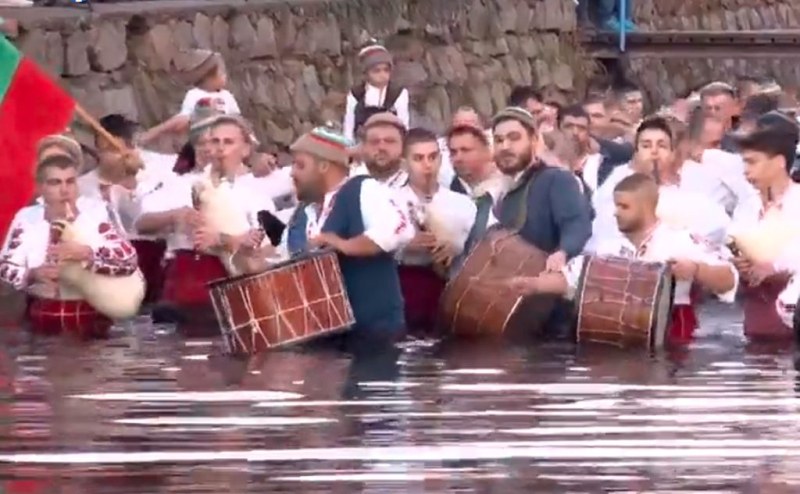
[151, 256]
[52, 316]
[684, 322]
[422, 288]
[186, 277]
[761, 319]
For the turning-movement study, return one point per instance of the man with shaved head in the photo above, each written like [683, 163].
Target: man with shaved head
[646, 239]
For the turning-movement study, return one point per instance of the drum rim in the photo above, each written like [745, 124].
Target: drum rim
[275, 267]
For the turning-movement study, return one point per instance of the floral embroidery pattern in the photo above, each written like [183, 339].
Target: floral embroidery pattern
[116, 257]
[11, 271]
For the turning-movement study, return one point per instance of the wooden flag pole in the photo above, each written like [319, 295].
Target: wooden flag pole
[132, 161]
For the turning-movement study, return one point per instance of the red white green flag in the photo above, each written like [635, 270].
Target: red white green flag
[32, 106]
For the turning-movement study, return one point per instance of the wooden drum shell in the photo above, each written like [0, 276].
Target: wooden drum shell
[469, 308]
[292, 302]
[624, 303]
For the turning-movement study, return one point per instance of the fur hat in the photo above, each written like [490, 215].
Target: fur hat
[373, 55]
[66, 146]
[326, 144]
[521, 115]
[194, 66]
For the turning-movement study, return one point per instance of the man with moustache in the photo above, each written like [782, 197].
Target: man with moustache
[545, 203]
[382, 150]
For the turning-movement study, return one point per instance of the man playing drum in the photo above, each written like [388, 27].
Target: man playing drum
[32, 253]
[647, 239]
[192, 245]
[545, 203]
[356, 217]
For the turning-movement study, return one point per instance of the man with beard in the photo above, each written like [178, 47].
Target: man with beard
[382, 150]
[358, 218]
[545, 203]
[647, 239]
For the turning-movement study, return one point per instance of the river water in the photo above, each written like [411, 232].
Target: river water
[150, 412]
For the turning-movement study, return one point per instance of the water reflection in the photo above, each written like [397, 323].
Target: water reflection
[149, 411]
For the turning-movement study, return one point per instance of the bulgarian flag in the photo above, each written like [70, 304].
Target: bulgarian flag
[32, 106]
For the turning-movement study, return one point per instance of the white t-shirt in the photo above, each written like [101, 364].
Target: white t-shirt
[223, 101]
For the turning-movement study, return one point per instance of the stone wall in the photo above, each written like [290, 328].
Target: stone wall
[666, 79]
[291, 63]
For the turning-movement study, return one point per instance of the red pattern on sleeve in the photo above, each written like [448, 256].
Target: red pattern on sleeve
[116, 257]
[11, 271]
[403, 221]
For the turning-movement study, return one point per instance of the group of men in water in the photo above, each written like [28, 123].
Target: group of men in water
[403, 207]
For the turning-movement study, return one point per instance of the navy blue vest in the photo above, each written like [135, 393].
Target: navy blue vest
[372, 283]
[457, 186]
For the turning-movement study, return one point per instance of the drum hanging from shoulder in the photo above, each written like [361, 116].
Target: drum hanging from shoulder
[292, 302]
[624, 302]
[474, 303]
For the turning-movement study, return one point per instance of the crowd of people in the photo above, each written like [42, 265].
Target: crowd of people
[403, 207]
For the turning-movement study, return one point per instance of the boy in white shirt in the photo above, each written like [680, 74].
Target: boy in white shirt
[208, 76]
[376, 93]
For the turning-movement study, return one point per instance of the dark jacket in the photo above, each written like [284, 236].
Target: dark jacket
[614, 154]
[548, 209]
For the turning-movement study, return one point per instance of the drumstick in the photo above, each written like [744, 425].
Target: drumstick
[656, 175]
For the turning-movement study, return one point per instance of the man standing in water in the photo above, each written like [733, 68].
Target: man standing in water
[545, 204]
[359, 220]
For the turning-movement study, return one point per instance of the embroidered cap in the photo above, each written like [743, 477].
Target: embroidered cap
[517, 113]
[62, 145]
[373, 55]
[324, 143]
[384, 118]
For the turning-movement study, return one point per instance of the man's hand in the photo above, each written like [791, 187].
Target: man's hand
[328, 240]
[523, 285]
[443, 254]
[758, 273]
[70, 251]
[422, 242]
[205, 239]
[47, 274]
[251, 240]
[743, 265]
[186, 217]
[556, 262]
[683, 269]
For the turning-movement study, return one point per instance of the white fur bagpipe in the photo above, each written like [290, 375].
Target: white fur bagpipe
[219, 210]
[767, 240]
[693, 212]
[117, 297]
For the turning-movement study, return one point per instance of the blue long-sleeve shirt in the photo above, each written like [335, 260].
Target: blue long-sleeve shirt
[549, 210]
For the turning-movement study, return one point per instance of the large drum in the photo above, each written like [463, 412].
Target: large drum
[292, 302]
[473, 303]
[623, 302]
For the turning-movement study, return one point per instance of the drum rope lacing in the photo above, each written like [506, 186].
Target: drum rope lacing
[281, 320]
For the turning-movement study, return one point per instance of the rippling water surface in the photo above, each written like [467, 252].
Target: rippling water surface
[151, 412]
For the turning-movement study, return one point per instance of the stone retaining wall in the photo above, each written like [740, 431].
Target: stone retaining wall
[291, 64]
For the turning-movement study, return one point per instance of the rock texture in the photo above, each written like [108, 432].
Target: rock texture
[291, 64]
[667, 79]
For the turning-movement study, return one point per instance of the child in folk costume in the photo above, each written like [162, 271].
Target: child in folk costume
[442, 220]
[358, 218]
[762, 234]
[205, 70]
[647, 239]
[377, 93]
[196, 251]
[33, 252]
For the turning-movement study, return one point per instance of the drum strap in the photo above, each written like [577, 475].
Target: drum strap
[522, 213]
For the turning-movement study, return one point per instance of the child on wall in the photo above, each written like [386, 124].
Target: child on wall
[377, 93]
[206, 72]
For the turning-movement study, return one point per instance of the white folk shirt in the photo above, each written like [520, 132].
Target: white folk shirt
[457, 209]
[749, 214]
[221, 100]
[25, 248]
[374, 96]
[277, 184]
[178, 194]
[394, 182]
[664, 243]
[385, 223]
[720, 177]
[675, 200]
